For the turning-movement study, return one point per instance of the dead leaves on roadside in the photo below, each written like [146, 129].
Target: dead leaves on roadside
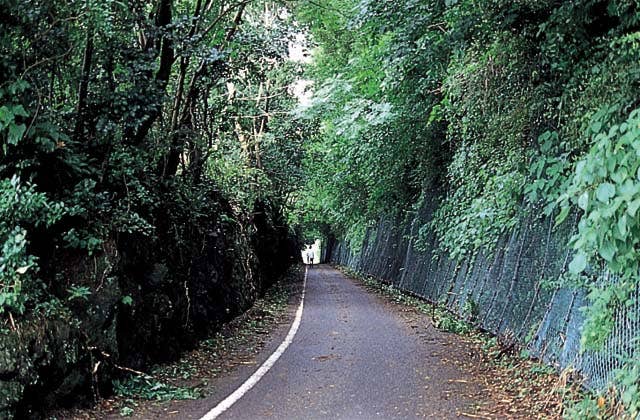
[521, 388]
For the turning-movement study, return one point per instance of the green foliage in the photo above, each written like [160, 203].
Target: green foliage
[606, 302]
[488, 126]
[78, 292]
[366, 158]
[21, 206]
[14, 266]
[629, 380]
[125, 113]
[586, 408]
[468, 220]
[147, 388]
[446, 321]
[606, 187]
[242, 183]
[549, 175]
[138, 117]
[311, 233]
[126, 411]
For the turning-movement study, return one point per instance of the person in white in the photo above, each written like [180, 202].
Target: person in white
[310, 256]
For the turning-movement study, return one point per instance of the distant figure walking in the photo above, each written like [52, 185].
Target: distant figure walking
[310, 256]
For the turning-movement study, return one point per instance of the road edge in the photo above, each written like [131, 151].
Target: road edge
[236, 395]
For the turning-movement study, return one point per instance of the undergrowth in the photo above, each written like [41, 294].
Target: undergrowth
[149, 388]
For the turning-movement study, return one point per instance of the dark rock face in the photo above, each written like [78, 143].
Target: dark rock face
[51, 355]
[150, 299]
[41, 364]
[272, 242]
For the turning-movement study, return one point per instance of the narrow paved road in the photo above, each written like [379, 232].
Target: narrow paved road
[355, 358]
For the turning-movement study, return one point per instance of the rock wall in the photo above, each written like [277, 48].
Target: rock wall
[512, 292]
[150, 298]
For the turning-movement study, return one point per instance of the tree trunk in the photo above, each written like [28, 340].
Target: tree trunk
[161, 79]
[83, 88]
[186, 121]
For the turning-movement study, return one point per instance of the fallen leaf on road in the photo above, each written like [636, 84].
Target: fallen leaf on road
[324, 358]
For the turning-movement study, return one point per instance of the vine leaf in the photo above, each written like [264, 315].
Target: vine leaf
[607, 251]
[583, 200]
[633, 207]
[15, 133]
[605, 191]
[562, 215]
[578, 264]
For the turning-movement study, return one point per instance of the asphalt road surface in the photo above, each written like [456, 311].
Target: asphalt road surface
[355, 357]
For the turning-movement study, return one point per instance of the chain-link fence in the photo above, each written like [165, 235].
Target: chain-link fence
[512, 292]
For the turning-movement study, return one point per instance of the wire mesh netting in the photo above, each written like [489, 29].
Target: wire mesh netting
[511, 291]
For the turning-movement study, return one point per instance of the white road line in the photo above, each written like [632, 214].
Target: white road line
[225, 404]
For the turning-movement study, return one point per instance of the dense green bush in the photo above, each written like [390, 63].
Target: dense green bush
[21, 207]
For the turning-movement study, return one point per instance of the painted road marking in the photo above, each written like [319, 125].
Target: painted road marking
[225, 404]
